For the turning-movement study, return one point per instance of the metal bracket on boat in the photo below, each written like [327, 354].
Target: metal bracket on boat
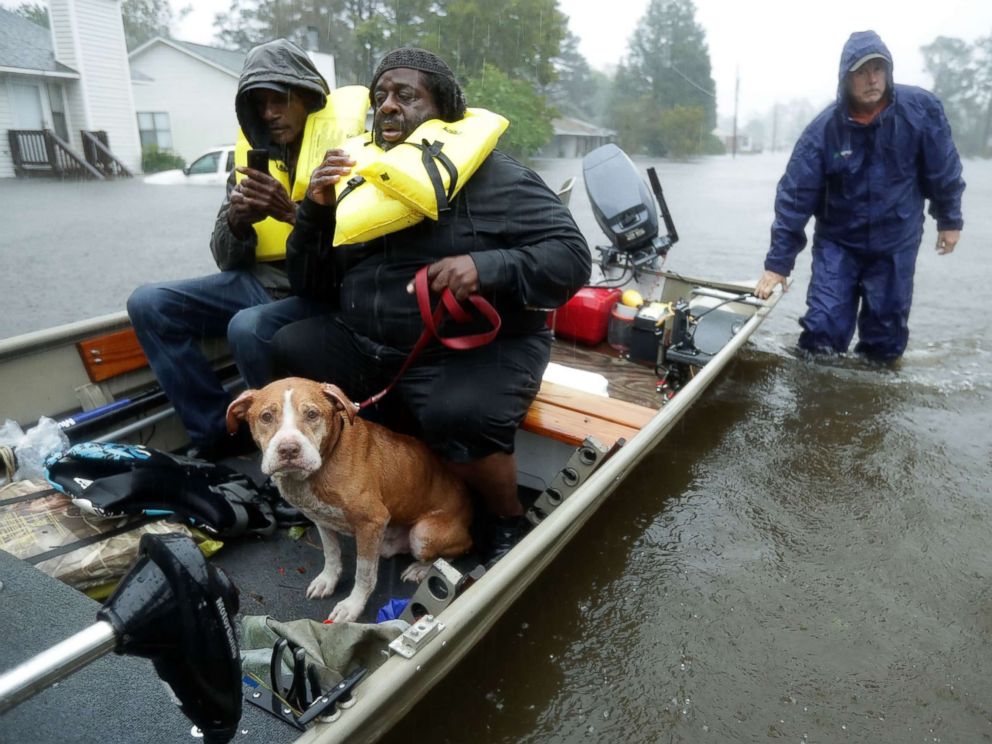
[300, 690]
[267, 701]
[586, 458]
[326, 705]
[417, 636]
[438, 589]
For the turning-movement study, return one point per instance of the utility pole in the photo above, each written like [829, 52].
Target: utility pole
[737, 90]
[774, 124]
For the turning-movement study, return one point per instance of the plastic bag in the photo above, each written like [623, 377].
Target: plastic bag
[31, 448]
[10, 434]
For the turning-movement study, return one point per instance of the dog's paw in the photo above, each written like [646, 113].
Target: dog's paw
[346, 611]
[416, 572]
[323, 585]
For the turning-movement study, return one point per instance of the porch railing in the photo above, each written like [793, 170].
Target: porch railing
[42, 152]
[96, 148]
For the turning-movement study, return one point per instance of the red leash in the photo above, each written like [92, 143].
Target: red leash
[432, 318]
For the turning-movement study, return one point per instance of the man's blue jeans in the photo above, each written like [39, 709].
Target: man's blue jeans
[171, 318]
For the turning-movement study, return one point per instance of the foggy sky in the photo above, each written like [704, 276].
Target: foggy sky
[782, 49]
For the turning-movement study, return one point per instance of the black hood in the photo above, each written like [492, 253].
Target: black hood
[285, 64]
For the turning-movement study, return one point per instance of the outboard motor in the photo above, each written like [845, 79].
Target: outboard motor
[625, 210]
[173, 608]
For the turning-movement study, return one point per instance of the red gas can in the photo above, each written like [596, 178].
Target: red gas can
[586, 316]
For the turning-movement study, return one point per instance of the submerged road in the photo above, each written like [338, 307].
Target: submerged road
[806, 557]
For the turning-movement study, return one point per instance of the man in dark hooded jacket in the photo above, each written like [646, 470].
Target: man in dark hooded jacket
[507, 238]
[278, 90]
[863, 168]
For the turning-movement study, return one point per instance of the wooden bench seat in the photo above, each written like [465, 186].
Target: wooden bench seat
[560, 412]
[570, 415]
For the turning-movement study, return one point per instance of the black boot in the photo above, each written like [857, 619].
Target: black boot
[224, 447]
[502, 533]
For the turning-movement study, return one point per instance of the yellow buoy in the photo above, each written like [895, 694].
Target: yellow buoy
[632, 298]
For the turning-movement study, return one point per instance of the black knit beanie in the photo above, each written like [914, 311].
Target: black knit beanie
[412, 59]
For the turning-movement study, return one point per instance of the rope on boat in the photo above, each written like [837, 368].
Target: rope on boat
[9, 462]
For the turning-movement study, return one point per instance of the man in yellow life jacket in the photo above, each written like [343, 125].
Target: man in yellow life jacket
[505, 236]
[282, 107]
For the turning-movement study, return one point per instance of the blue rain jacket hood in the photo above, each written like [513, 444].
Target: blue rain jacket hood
[866, 184]
[860, 44]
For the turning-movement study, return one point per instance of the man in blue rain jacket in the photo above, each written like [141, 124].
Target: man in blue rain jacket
[863, 168]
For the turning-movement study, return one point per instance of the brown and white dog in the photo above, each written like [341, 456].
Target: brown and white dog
[355, 477]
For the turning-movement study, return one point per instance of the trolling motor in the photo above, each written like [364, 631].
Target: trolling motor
[173, 608]
[625, 210]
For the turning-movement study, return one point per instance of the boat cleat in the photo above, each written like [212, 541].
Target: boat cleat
[417, 636]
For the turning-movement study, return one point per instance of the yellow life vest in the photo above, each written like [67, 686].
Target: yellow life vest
[394, 189]
[364, 212]
[429, 167]
[341, 118]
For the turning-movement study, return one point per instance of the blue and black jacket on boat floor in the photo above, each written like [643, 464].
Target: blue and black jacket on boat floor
[113, 480]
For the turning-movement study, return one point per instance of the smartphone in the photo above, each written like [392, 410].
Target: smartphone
[259, 160]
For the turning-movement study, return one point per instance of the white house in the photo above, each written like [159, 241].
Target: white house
[69, 79]
[184, 93]
[78, 77]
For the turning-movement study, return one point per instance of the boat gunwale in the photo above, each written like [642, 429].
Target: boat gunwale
[38, 342]
[400, 683]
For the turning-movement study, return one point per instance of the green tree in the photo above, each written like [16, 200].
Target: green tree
[146, 19]
[520, 37]
[143, 19]
[667, 65]
[504, 52]
[578, 90]
[34, 12]
[356, 32]
[635, 119]
[682, 130]
[983, 86]
[962, 75]
[517, 100]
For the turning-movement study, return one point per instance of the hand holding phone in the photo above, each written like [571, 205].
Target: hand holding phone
[258, 159]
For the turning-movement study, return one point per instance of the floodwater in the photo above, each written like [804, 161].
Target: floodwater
[805, 558]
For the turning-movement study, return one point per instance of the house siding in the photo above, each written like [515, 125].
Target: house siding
[198, 97]
[8, 118]
[63, 42]
[89, 37]
[6, 122]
